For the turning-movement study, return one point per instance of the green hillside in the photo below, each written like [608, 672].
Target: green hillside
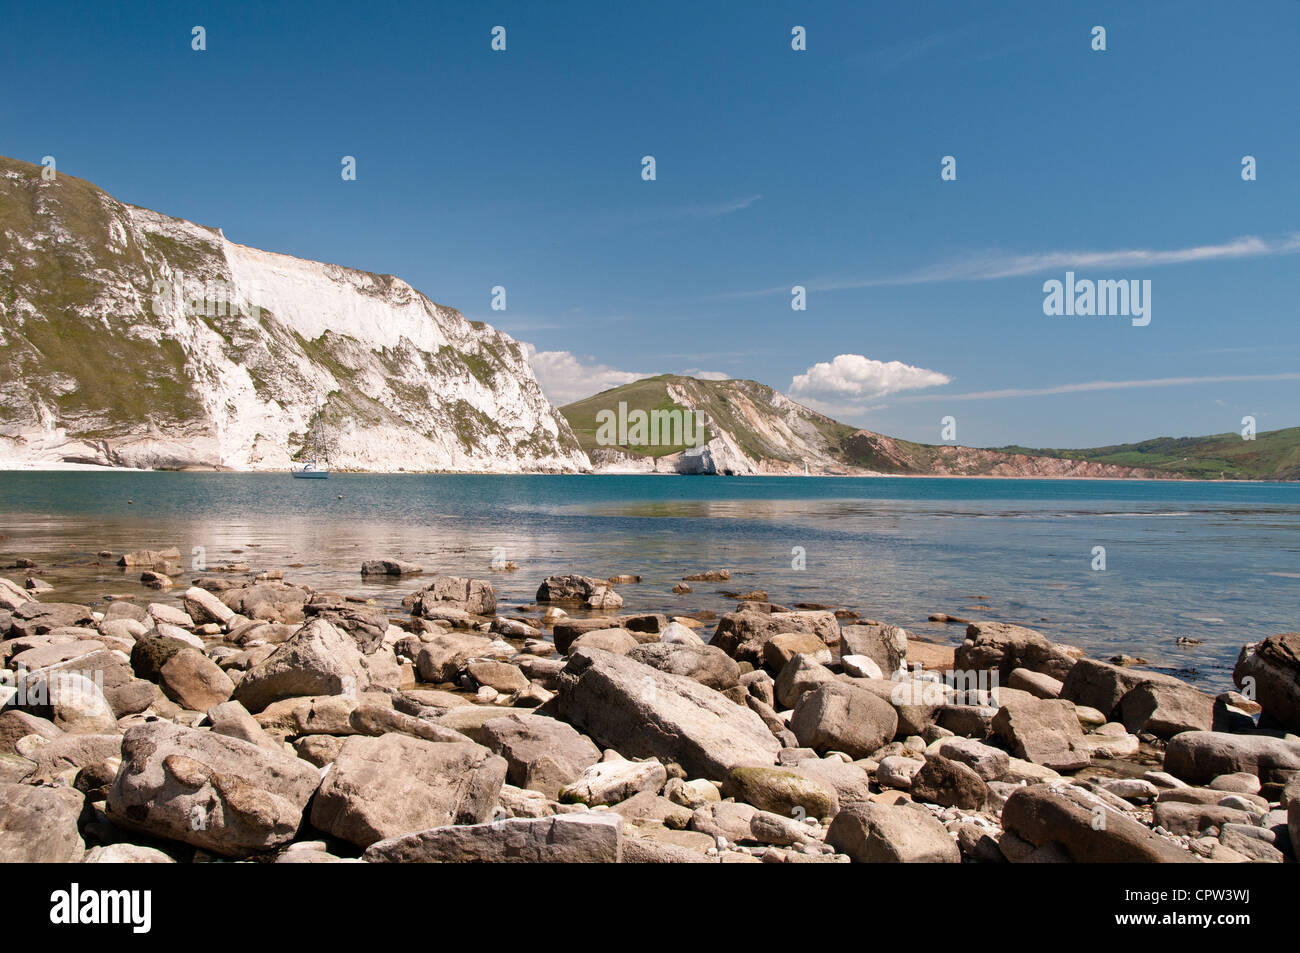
[649, 395]
[762, 422]
[1272, 455]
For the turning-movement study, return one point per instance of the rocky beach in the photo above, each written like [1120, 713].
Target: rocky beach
[235, 714]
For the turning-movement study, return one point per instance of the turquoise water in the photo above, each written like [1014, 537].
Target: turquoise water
[1219, 562]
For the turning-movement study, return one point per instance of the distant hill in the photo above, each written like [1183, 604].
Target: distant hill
[752, 428]
[1272, 455]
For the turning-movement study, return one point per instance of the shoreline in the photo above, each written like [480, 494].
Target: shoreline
[99, 468]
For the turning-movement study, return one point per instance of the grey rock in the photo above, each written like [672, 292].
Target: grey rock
[884, 833]
[380, 788]
[642, 712]
[576, 838]
[212, 791]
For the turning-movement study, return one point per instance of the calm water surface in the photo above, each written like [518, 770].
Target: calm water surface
[1211, 561]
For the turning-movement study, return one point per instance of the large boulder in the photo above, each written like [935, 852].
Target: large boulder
[801, 675]
[151, 652]
[874, 833]
[15, 724]
[886, 645]
[12, 596]
[38, 618]
[1043, 731]
[1005, 647]
[59, 759]
[704, 663]
[743, 634]
[443, 657]
[850, 783]
[391, 785]
[949, 783]
[194, 681]
[1088, 828]
[203, 607]
[1273, 666]
[916, 702]
[1101, 685]
[209, 790]
[317, 660]
[779, 649]
[366, 624]
[780, 791]
[842, 717]
[112, 674]
[643, 712]
[542, 754]
[617, 640]
[72, 701]
[38, 825]
[595, 838]
[568, 631]
[988, 762]
[615, 781]
[575, 589]
[1164, 709]
[1199, 757]
[475, 596]
[268, 601]
[233, 720]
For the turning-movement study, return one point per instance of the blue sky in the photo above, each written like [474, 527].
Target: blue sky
[775, 168]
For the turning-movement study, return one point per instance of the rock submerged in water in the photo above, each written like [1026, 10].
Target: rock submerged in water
[1273, 666]
[389, 567]
[576, 589]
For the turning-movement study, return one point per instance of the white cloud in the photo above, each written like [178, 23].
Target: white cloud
[1090, 386]
[707, 375]
[990, 266]
[564, 377]
[855, 377]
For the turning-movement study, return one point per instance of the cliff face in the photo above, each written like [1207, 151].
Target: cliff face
[134, 339]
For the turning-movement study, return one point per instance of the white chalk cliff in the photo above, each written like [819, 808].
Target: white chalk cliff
[101, 363]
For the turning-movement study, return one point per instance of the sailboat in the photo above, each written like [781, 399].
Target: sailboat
[317, 466]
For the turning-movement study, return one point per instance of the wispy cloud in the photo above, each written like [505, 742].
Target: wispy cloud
[896, 55]
[676, 213]
[990, 266]
[1089, 386]
[723, 208]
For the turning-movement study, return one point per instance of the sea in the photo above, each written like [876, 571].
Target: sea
[1114, 567]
